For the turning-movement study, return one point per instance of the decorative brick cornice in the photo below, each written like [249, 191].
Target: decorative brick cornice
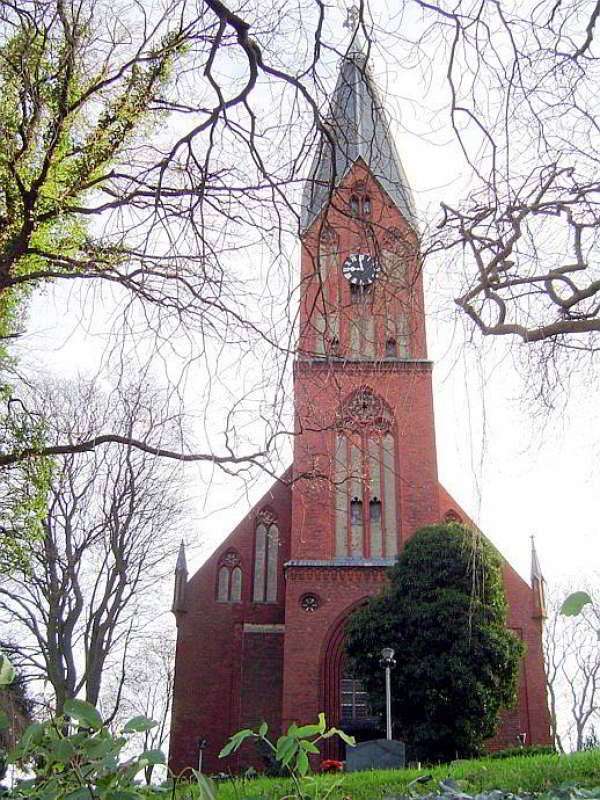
[360, 366]
[342, 563]
[347, 570]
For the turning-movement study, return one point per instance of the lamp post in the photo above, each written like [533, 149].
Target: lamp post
[202, 745]
[388, 663]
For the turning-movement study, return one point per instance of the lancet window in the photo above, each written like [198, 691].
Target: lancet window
[360, 202]
[266, 558]
[365, 478]
[324, 315]
[229, 578]
[354, 700]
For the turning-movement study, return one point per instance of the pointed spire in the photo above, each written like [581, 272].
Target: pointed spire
[181, 574]
[536, 570]
[359, 128]
[538, 585]
[181, 565]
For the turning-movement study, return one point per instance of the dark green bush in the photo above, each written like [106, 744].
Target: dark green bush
[531, 750]
[444, 613]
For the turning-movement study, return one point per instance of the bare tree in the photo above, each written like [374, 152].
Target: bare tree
[165, 154]
[112, 522]
[573, 674]
[147, 689]
[524, 112]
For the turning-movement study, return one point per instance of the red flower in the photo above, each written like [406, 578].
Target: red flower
[331, 765]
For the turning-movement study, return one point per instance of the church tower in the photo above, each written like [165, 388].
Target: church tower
[260, 626]
[364, 451]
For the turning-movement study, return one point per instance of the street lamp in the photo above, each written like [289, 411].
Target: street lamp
[388, 662]
[202, 745]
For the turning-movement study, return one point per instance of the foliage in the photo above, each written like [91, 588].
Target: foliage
[77, 757]
[575, 603]
[527, 752]
[7, 671]
[444, 612]
[24, 486]
[58, 141]
[55, 148]
[292, 749]
[16, 708]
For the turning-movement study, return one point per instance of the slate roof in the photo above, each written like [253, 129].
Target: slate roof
[360, 129]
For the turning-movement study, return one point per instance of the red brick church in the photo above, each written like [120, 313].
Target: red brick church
[261, 624]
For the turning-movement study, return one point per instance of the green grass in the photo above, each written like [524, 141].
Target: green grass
[531, 774]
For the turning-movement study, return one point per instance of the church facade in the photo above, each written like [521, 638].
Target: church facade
[260, 626]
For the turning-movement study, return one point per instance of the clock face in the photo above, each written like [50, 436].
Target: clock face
[361, 269]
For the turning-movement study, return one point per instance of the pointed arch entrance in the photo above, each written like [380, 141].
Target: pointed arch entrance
[337, 691]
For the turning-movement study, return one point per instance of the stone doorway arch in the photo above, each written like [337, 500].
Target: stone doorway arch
[332, 669]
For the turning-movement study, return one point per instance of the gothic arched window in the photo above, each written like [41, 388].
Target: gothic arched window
[229, 578]
[390, 347]
[266, 558]
[365, 478]
[360, 202]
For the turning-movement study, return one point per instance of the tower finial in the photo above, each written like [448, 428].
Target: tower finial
[352, 18]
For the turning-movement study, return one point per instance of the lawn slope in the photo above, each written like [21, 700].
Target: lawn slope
[517, 775]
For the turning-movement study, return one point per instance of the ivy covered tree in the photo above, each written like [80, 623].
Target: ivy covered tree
[444, 613]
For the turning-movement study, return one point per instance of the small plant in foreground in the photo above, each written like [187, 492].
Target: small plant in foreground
[76, 757]
[291, 750]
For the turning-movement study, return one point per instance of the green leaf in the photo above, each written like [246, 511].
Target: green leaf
[207, 787]
[309, 747]
[84, 713]
[302, 764]
[99, 748]
[285, 745]
[229, 748]
[262, 731]
[235, 741]
[343, 736]
[139, 725]
[307, 730]
[4, 721]
[79, 794]
[322, 723]
[152, 757]
[289, 751]
[62, 750]
[575, 603]
[122, 794]
[33, 734]
[7, 671]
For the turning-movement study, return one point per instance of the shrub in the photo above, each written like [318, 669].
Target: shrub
[444, 613]
[531, 750]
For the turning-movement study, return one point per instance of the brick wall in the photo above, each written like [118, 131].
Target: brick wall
[210, 668]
